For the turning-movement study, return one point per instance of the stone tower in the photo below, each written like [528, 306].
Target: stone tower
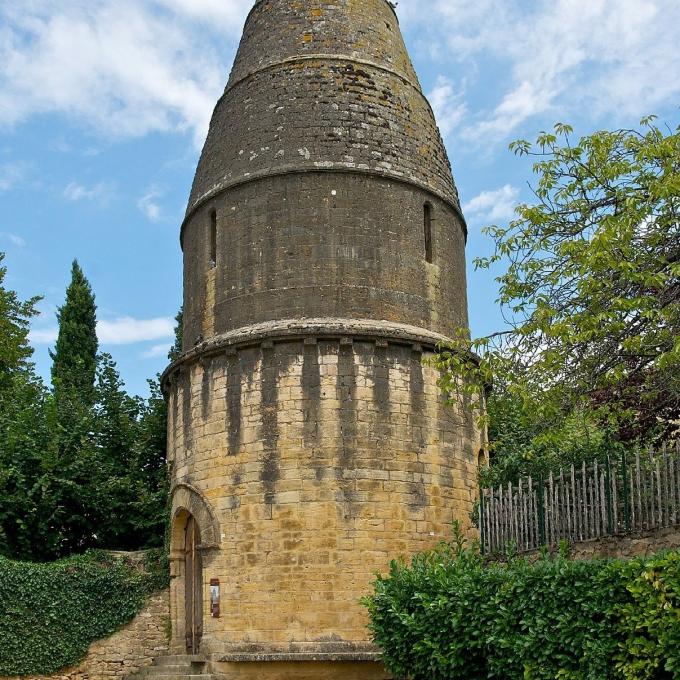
[324, 258]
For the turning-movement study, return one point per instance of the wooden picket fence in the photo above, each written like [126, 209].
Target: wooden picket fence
[639, 492]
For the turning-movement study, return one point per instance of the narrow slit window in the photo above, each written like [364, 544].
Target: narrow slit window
[427, 226]
[213, 239]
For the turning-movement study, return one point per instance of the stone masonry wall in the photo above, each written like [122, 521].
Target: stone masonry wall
[323, 245]
[340, 95]
[640, 544]
[365, 30]
[126, 651]
[321, 460]
[362, 119]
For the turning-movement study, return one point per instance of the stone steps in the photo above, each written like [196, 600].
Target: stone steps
[155, 671]
[179, 659]
[174, 667]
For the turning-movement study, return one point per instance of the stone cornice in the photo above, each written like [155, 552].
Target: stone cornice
[299, 329]
[326, 58]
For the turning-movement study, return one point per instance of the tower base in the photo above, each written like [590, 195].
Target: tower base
[296, 669]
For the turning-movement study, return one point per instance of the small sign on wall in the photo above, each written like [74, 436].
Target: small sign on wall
[215, 598]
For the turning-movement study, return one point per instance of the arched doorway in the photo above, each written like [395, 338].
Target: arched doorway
[193, 586]
[195, 535]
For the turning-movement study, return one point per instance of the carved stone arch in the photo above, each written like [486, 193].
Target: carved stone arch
[188, 500]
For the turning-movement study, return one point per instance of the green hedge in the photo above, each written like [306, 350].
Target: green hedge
[450, 615]
[51, 613]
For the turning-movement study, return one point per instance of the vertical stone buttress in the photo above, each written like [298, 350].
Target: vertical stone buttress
[306, 434]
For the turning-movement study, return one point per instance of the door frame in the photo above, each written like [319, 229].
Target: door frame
[189, 502]
[193, 586]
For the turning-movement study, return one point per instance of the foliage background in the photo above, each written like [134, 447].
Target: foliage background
[82, 465]
[589, 286]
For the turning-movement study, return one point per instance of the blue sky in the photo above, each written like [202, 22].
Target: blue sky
[104, 106]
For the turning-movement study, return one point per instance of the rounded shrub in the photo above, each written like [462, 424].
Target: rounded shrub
[448, 614]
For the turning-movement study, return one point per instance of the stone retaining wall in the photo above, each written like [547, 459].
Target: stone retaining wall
[626, 547]
[640, 544]
[127, 651]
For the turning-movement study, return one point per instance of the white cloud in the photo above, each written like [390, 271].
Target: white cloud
[148, 204]
[10, 174]
[122, 331]
[495, 205]
[124, 67]
[517, 106]
[448, 105]
[77, 192]
[157, 351]
[128, 331]
[228, 14]
[13, 238]
[131, 67]
[43, 336]
[556, 58]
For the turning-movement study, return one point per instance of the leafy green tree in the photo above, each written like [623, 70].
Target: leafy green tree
[24, 436]
[592, 286]
[15, 317]
[75, 355]
[115, 433]
[523, 444]
[176, 349]
[73, 478]
[116, 416]
[131, 440]
[82, 466]
[150, 507]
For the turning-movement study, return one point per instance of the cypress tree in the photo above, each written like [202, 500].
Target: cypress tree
[75, 470]
[75, 355]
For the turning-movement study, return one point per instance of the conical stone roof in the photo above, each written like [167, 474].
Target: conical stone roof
[322, 85]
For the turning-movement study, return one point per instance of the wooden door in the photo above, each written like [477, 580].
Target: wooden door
[193, 587]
